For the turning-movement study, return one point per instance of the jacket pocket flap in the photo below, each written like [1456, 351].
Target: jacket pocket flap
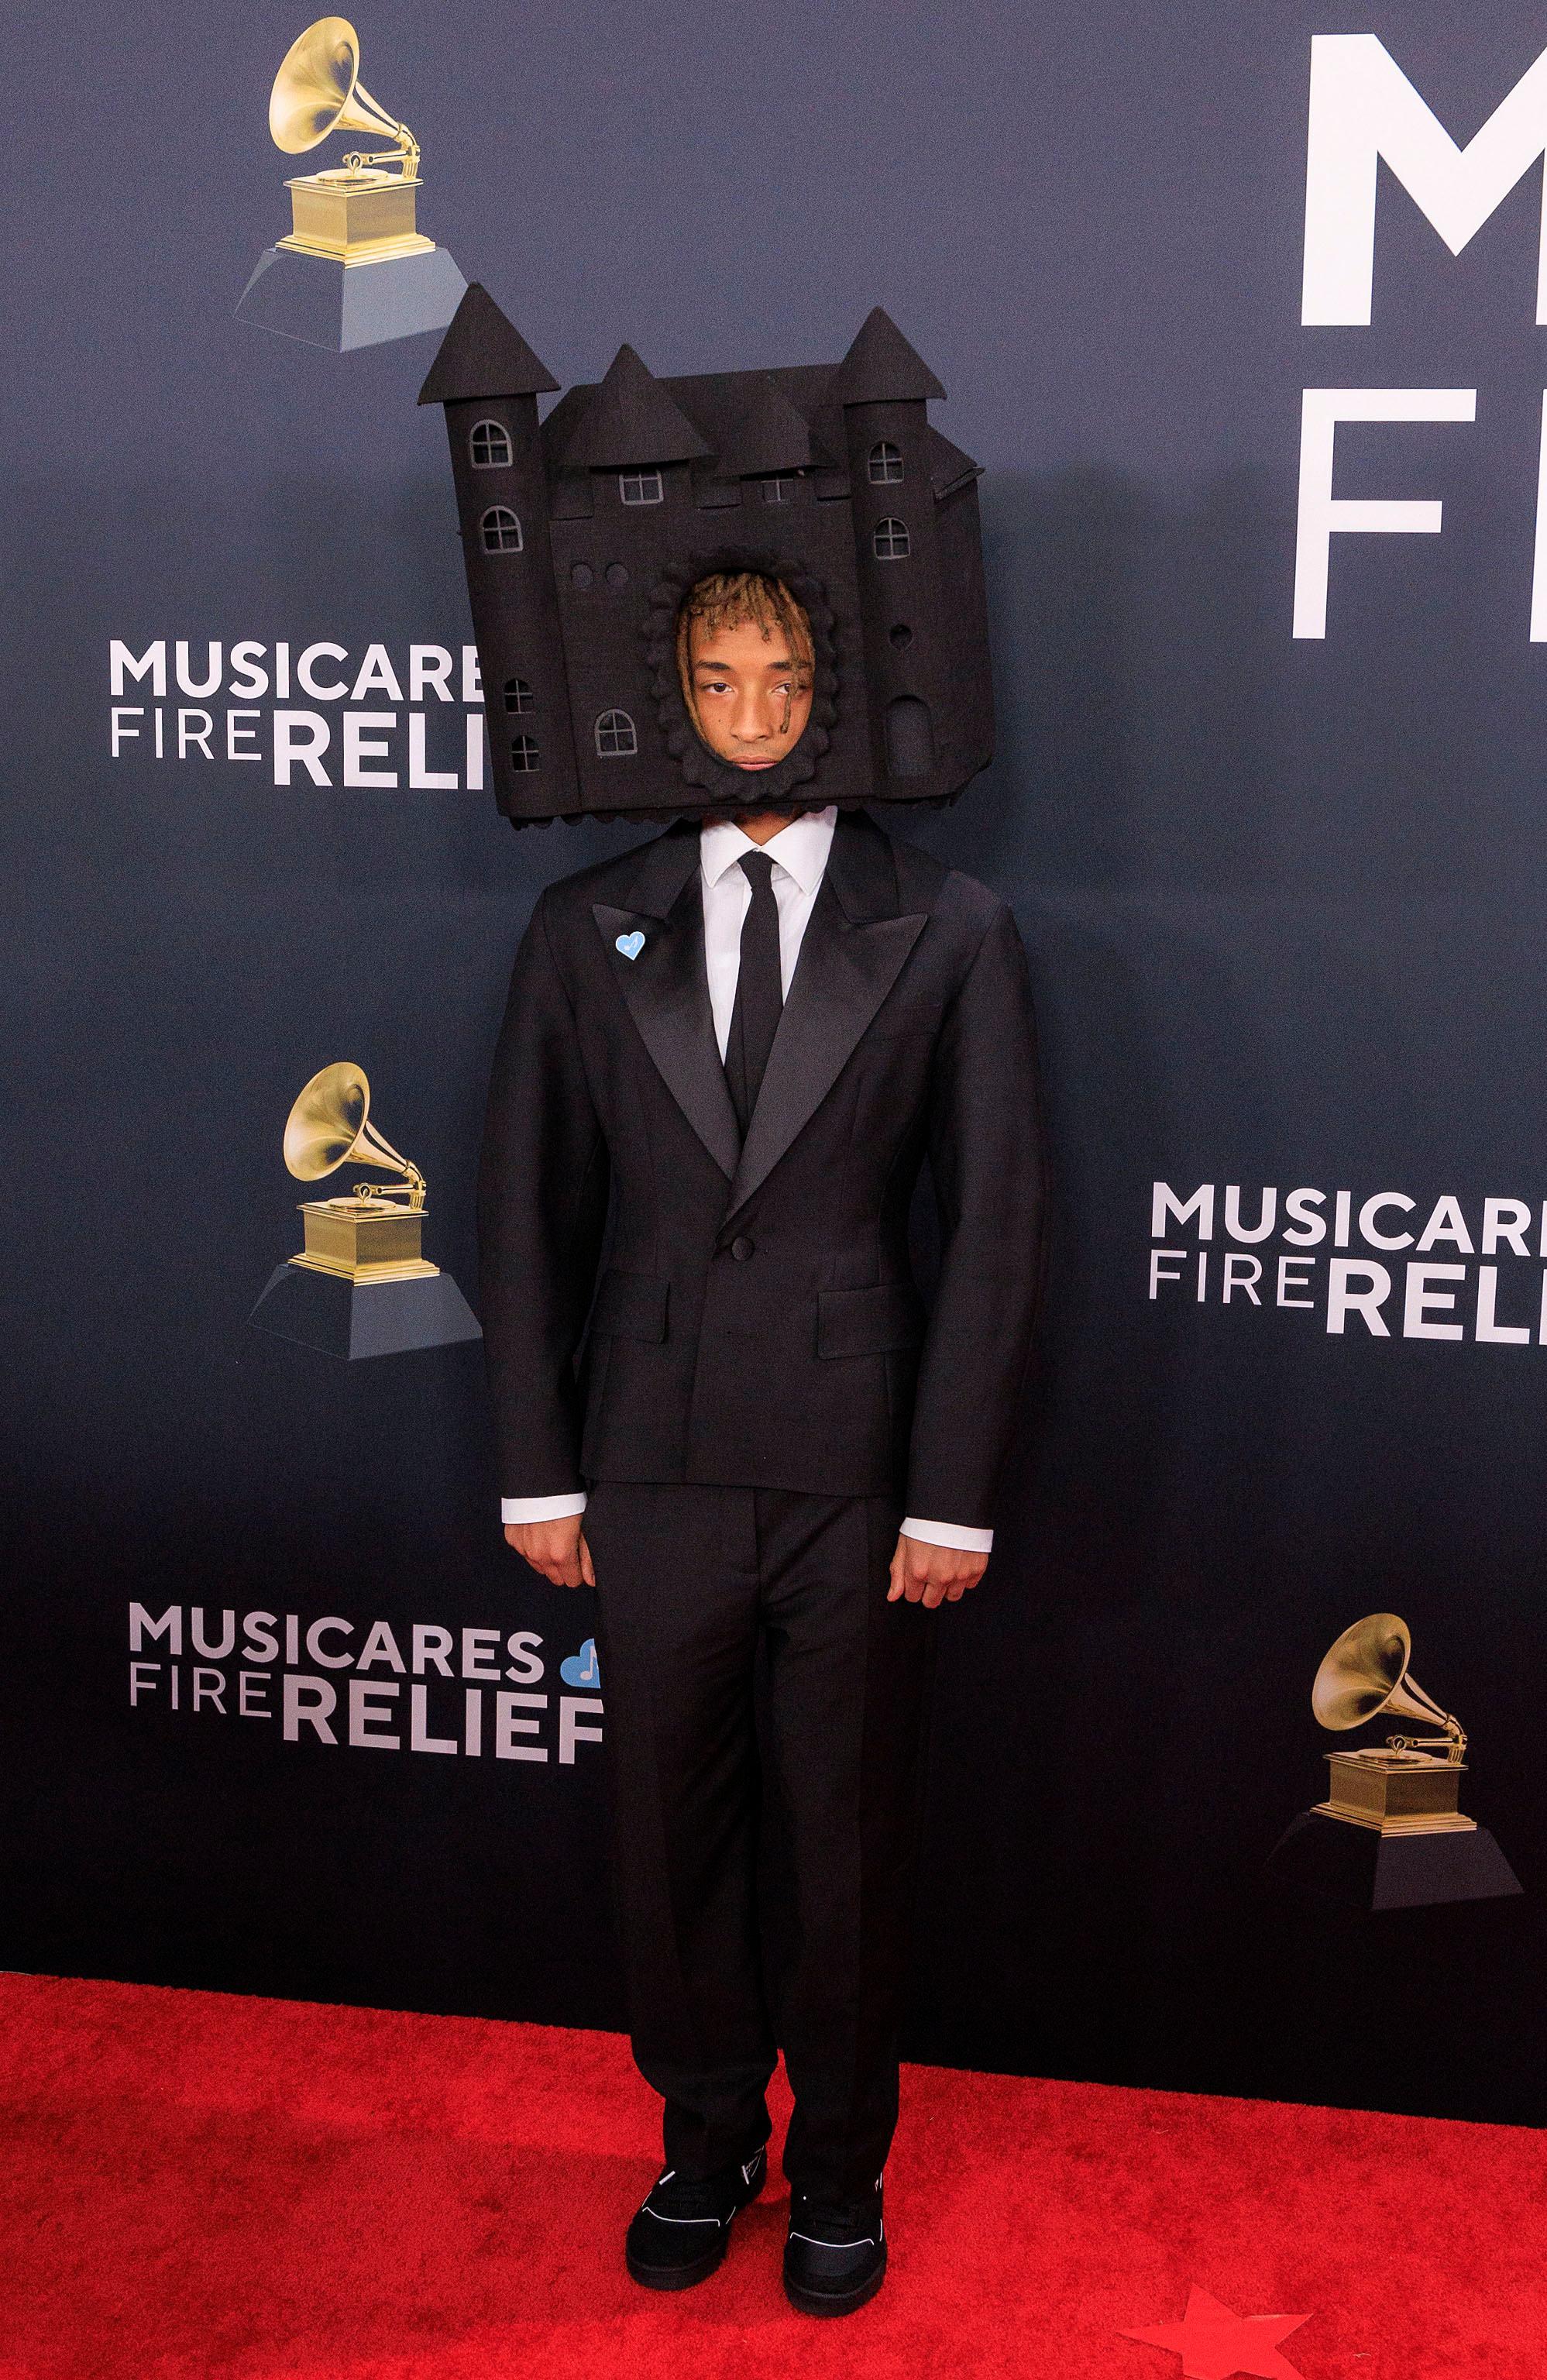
[631, 1306]
[868, 1321]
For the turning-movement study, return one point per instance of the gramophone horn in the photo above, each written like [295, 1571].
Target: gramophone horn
[1366, 1672]
[329, 1124]
[318, 90]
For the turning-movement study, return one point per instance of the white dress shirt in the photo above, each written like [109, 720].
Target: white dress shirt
[799, 852]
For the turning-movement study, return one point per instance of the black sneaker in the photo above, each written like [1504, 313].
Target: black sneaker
[836, 2255]
[680, 2232]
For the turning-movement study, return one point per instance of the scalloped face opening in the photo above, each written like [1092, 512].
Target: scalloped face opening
[794, 760]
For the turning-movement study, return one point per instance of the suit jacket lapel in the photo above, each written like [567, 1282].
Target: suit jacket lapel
[666, 989]
[852, 952]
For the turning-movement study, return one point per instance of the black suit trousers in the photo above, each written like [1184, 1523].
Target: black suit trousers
[721, 1608]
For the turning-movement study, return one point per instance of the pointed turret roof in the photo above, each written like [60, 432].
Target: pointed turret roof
[881, 368]
[767, 436]
[483, 355]
[631, 419]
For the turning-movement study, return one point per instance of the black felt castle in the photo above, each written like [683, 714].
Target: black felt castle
[582, 534]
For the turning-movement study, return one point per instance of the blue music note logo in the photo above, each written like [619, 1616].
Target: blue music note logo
[582, 1669]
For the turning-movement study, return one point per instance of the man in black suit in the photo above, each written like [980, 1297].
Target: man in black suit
[725, 1058]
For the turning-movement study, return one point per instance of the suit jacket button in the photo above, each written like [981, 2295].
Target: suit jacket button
[741, 1249]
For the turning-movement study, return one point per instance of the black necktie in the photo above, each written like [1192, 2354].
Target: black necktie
[759, 991]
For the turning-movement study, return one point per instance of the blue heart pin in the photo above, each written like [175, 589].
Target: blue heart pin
[630, 944]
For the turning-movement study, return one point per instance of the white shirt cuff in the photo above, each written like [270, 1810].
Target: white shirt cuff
[929, 1533]
[541, 1507]
[948, 1533]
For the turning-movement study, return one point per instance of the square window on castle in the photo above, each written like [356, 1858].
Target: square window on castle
[640, 487]
[518, 695]
[779, 491]
[523, 755]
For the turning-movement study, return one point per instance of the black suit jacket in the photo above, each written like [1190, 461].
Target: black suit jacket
[755, 1323]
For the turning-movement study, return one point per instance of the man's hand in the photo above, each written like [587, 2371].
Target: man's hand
[556, 1549]
[929, 1575]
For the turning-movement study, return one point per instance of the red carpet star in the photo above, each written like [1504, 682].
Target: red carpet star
[1215, 2344]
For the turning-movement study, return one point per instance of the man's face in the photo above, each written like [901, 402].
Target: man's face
[751, 691]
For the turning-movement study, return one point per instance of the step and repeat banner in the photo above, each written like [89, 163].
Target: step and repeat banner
[1244, 317]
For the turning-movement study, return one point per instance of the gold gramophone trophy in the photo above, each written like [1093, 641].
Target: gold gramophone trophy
[355, 210]
[354, 268]
[1411, 1784]
[361, 1285]
[366, 1235]
[1390, 1833]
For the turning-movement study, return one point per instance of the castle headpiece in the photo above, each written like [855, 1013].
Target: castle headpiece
[583, 533]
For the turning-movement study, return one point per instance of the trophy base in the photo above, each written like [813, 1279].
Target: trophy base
[1443, 1821]
[1323, 1857]
[414, 1268]
[360, 218]
[364, 1239]
[326, 302]
[1396, 1792]
[353, 1319]
[377, 251]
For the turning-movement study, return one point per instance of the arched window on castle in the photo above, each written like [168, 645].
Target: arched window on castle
[518, 695]
[890, 540]
[500, 530]
[885, 463]
[640, 487]
[615, 735]
[909, 738]
[523, 755]
[489, 447]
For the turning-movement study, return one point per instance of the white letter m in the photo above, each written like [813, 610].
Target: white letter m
[1363, 108]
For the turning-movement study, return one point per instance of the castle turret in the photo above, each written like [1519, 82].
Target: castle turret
[488, 380]
[883, 389]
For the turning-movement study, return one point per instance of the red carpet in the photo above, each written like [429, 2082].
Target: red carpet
[193, 2187]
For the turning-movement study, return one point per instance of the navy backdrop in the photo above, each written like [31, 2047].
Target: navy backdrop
[1285, 901]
